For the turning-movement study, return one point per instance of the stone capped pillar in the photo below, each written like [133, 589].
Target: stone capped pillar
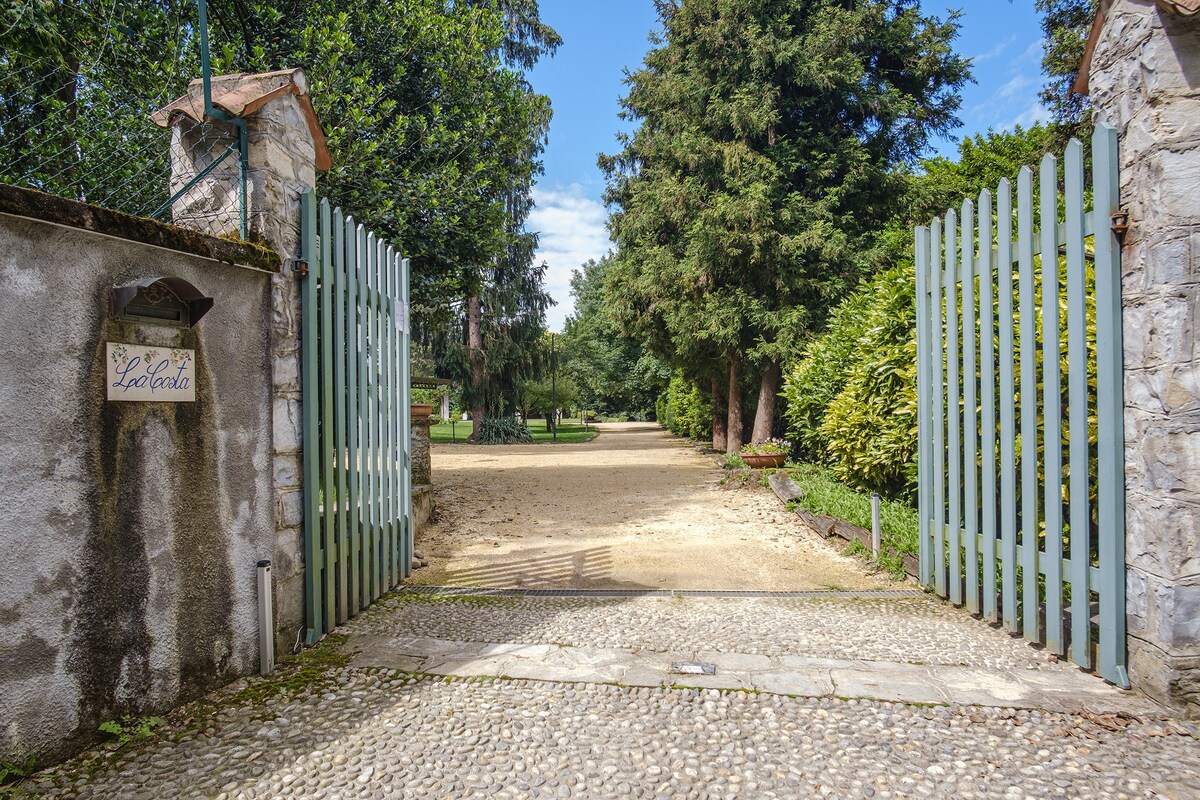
[285, 149]
[1144, 80]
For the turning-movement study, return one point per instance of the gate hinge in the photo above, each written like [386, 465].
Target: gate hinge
[300, 266]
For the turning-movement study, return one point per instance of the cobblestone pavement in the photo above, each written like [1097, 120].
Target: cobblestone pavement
[331, 727]
[908, 629]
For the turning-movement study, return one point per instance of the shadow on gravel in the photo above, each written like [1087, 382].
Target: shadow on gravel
[581, 569]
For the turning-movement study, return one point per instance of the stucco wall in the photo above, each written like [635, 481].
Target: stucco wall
[1145, 81]
[130, 530]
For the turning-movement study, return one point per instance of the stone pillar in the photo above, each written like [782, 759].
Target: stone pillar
[1145, 81]
[285, 148]
[422, 467]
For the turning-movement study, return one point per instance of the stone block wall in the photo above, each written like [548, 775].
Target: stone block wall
[1145, 81]
[281, 164]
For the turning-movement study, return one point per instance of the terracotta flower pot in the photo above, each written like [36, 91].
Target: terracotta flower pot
[764, 460]
[420, 410]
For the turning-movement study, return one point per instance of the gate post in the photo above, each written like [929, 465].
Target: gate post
[285, 149]
[1141, 77]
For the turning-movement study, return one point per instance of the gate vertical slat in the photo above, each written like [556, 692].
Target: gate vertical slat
[394, 416]
[338, 252]
[326, 453]
[390, 421]
[1052, 392]
[1008, 426]
[406, 417]
[1110, 470]
[354, 493]
[313, 556]
[371, 412]
[970, 414]
[987, 373]
[1077, 449]
[364, 400]
[953, 412]
[924, 448]
[377, 576]
[378, 396]
[939, 411]
[329, 516]
[1028, 393]
[385, 398]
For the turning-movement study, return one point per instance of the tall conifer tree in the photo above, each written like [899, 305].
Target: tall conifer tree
[745, 203]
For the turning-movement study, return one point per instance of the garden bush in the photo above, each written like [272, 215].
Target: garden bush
[503, 430]
[684, 410]
[852, 395]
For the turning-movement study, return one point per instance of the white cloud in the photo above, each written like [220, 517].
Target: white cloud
[996, 51]
[571, 230]
[1032, 115]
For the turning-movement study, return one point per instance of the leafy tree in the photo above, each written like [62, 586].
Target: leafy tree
[1066, 24]
[612, 371]
[745, 203]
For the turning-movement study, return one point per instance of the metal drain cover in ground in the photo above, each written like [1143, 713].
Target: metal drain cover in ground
[693, 668]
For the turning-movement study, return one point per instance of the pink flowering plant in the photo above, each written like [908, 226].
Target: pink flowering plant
[769, 447]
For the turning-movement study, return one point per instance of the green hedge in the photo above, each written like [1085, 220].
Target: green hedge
[852, 395]
[684, 410]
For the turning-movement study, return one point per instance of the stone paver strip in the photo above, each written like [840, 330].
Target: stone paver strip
[1066, 690]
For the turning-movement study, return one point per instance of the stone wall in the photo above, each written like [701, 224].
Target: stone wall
[281, 164]
[131, 530]
[1145, 81]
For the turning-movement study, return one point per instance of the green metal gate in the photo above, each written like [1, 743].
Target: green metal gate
[1021, 457]
[355, 385]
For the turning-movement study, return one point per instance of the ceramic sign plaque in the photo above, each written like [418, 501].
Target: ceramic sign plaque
[155, 374]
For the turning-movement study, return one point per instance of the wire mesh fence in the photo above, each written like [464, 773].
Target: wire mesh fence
[77, 90]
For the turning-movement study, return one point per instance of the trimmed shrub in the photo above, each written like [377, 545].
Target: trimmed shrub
[504, 430]
[684, 410]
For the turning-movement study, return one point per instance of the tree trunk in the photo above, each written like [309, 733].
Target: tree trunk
[719, 429]
[733, 434]
[475, 353]
[764, 417]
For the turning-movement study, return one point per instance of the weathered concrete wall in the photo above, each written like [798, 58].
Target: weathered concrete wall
[131, 530]
[1145, 81]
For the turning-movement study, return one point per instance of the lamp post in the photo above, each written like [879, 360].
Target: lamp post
[553, 392]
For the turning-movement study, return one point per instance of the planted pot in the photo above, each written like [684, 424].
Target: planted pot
[420, 410]
[764, 460]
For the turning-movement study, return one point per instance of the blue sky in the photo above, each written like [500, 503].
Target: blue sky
[601, 39]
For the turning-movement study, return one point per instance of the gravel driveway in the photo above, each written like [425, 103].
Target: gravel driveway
[634, 508]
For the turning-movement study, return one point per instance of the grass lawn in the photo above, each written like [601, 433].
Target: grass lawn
[568, 433]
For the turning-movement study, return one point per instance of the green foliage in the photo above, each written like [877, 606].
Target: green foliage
[733, 461]
[12, 773]
[504, 430]
[129, 729]
[768, 447]
[820, 373]
[746, 202]
[612, 371]
[871, 425]
[568, 432]
[824, 494]
[684, 410]
[1066, 24]
[852, 392]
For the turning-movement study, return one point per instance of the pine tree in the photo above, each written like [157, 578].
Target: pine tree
[745, 204]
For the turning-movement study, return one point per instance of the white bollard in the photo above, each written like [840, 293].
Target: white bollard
[876, 527]
[266, 620]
